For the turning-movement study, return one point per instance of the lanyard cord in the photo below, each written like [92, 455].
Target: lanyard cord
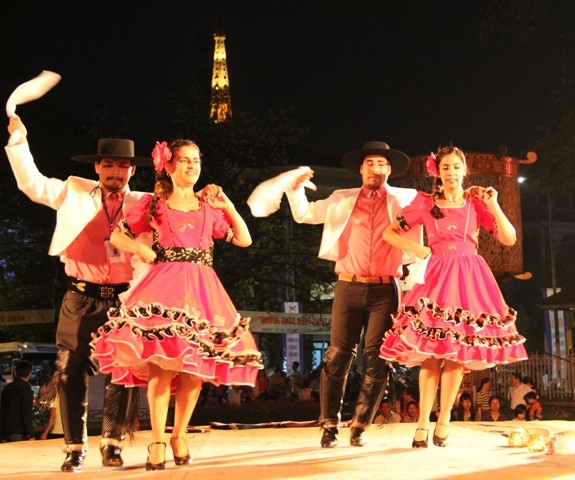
[113, 217]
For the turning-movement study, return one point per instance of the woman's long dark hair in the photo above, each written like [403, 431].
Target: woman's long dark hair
[437, 186]
[461, 411]
[164, 186]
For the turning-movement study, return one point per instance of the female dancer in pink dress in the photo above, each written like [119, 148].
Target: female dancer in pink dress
[177, 325]
[458, 318]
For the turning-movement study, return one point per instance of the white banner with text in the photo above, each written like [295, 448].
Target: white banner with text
[275, 322]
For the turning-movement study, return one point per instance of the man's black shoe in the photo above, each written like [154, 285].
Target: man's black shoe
[111, 456]
[358, 437]
[73, 461]
[329, 437]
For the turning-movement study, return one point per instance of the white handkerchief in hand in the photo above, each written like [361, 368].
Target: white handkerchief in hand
[31, 90]
[267, 196]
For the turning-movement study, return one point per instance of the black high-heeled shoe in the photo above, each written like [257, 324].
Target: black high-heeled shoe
[420, 443]
[440, 441]
[156, 466]
[185, 460]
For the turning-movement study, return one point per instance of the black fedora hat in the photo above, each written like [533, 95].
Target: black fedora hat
[399, 161]
[114, 148]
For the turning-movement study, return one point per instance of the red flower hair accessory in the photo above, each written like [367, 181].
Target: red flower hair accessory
[161, 155]
[431, 165]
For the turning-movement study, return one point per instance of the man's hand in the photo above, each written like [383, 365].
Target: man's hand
[304, 177]
[423, 252]
[16, 124]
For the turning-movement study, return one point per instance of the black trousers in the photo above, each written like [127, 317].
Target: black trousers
[81, 315]
[357, 307]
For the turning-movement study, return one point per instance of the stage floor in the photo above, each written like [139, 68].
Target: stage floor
[476, 451]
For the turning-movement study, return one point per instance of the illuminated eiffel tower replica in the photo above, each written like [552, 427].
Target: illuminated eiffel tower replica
[220, 101]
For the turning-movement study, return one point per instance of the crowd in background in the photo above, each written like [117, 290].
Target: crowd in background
[40, 408]
[522, 403]
[478, 404]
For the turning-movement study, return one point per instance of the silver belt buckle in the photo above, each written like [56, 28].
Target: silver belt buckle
[107, 292]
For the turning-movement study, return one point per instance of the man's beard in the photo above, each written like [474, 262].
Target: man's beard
[375, 183]
[114, 184]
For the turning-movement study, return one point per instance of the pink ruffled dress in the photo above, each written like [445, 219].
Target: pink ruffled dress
[178, 316]
[459, 312]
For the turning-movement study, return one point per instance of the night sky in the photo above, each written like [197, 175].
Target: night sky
[411, 73]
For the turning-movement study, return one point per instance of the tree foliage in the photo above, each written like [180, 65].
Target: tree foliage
[557, 141]
[518, 22]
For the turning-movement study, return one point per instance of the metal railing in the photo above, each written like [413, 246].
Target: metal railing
[553, 376]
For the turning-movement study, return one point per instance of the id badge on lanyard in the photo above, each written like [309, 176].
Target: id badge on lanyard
[115, 255]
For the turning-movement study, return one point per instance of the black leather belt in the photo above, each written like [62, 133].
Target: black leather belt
[96, 290]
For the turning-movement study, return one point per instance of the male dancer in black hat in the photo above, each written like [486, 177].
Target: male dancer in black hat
[367, 291]
[88, 211]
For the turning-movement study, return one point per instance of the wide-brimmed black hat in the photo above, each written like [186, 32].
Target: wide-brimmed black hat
[114, 148]
[399, 161]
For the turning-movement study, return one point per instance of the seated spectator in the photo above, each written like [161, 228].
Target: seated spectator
[222, 394]
[529, 382]
[208, 395]
[311, 380]
[466, 411]
[520, 413]
[483, 395]
[534, 408]
[235, 396]
[386, 414]
[399, 406]
[262, 384]
[407, 395]
[518, 389]
[295, 379]
[248, 393]
[278, 384]
[493, 414]
[412, 414]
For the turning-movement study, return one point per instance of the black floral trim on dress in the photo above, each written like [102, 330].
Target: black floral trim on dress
[186, 326]
[125, 228]
[441, 333]
[184, 254]
[402, 223]
[173, 254]
[459, 315]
